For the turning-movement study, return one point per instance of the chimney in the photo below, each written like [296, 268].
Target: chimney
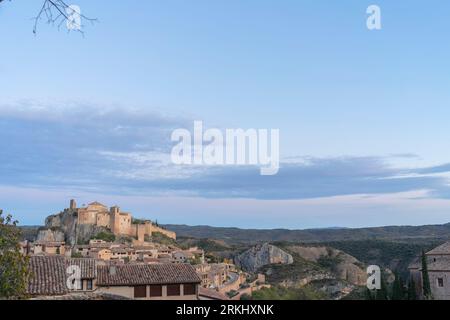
[73, 204]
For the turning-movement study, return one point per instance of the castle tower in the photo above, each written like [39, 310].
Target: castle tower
[115, 221]
[73, 204]
[140, 233]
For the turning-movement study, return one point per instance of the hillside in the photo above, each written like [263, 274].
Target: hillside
[250, 236]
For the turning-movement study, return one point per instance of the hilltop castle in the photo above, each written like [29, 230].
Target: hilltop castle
[120, 223]
[81, 223]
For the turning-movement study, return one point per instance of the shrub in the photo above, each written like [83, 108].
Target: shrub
[105, 236]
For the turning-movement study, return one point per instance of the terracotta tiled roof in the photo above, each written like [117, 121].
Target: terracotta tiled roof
[127, 275]
[442, 249]
[87, 266]
[211, 294]
[47, 276]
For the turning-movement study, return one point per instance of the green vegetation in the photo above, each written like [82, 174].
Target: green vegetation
[394, 291]
[212, 258]
[13, 265]
[76, 255]
[329, 262]
[160, 238]
[28, 232]
[195, 260]
[209, 245]
[138, 221]
[232, 293]
[398, 288]
[425, 278]
[295, 272]
[436, 233]
[359, 293]
[282, 293]
[245, 296]
[387, 254]
[412, 295]
[105, 236]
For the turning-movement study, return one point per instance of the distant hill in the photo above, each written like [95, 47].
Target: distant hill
[29, 232]
[238, 236]
[249, 236]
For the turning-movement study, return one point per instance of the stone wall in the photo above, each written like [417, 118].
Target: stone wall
[150, 228]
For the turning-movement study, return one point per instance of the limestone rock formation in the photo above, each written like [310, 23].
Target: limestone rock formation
[261, 255]
[344, 266]
[66, 223]
[49, 235]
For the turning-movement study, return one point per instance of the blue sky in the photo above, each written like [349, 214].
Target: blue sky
[362, 114]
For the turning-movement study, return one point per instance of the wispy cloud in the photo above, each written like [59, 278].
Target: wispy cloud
[126, 151]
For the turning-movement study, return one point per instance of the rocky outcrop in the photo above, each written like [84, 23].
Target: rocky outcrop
[66, 223]
[49, 235]
[342, 265]
[262, 255]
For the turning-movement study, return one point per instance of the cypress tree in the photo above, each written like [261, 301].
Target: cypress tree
[382, 294]
[425, 278]
[398, 290]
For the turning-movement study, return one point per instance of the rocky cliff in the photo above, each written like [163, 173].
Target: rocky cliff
[341, 265]
[50, 235]
[261, 255]
[65, 223]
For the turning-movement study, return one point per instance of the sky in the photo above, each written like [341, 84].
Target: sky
[363, 115]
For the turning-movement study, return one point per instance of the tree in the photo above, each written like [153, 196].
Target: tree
[412, 295]
[105, 236]
[382, 294]
[398, 289]
[58, 12]
[245, 296]
[425, 278]
[13, 264]
[369, 294]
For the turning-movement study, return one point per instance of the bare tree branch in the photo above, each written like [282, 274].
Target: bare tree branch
[59, 12]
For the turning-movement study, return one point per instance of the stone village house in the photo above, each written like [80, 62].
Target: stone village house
[132, 281]
[438, 262]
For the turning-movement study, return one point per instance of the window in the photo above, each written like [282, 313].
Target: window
[155, 291]
[440, 282]
[88, 284]
[189, 289]
[173, 290]
[140, 291]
